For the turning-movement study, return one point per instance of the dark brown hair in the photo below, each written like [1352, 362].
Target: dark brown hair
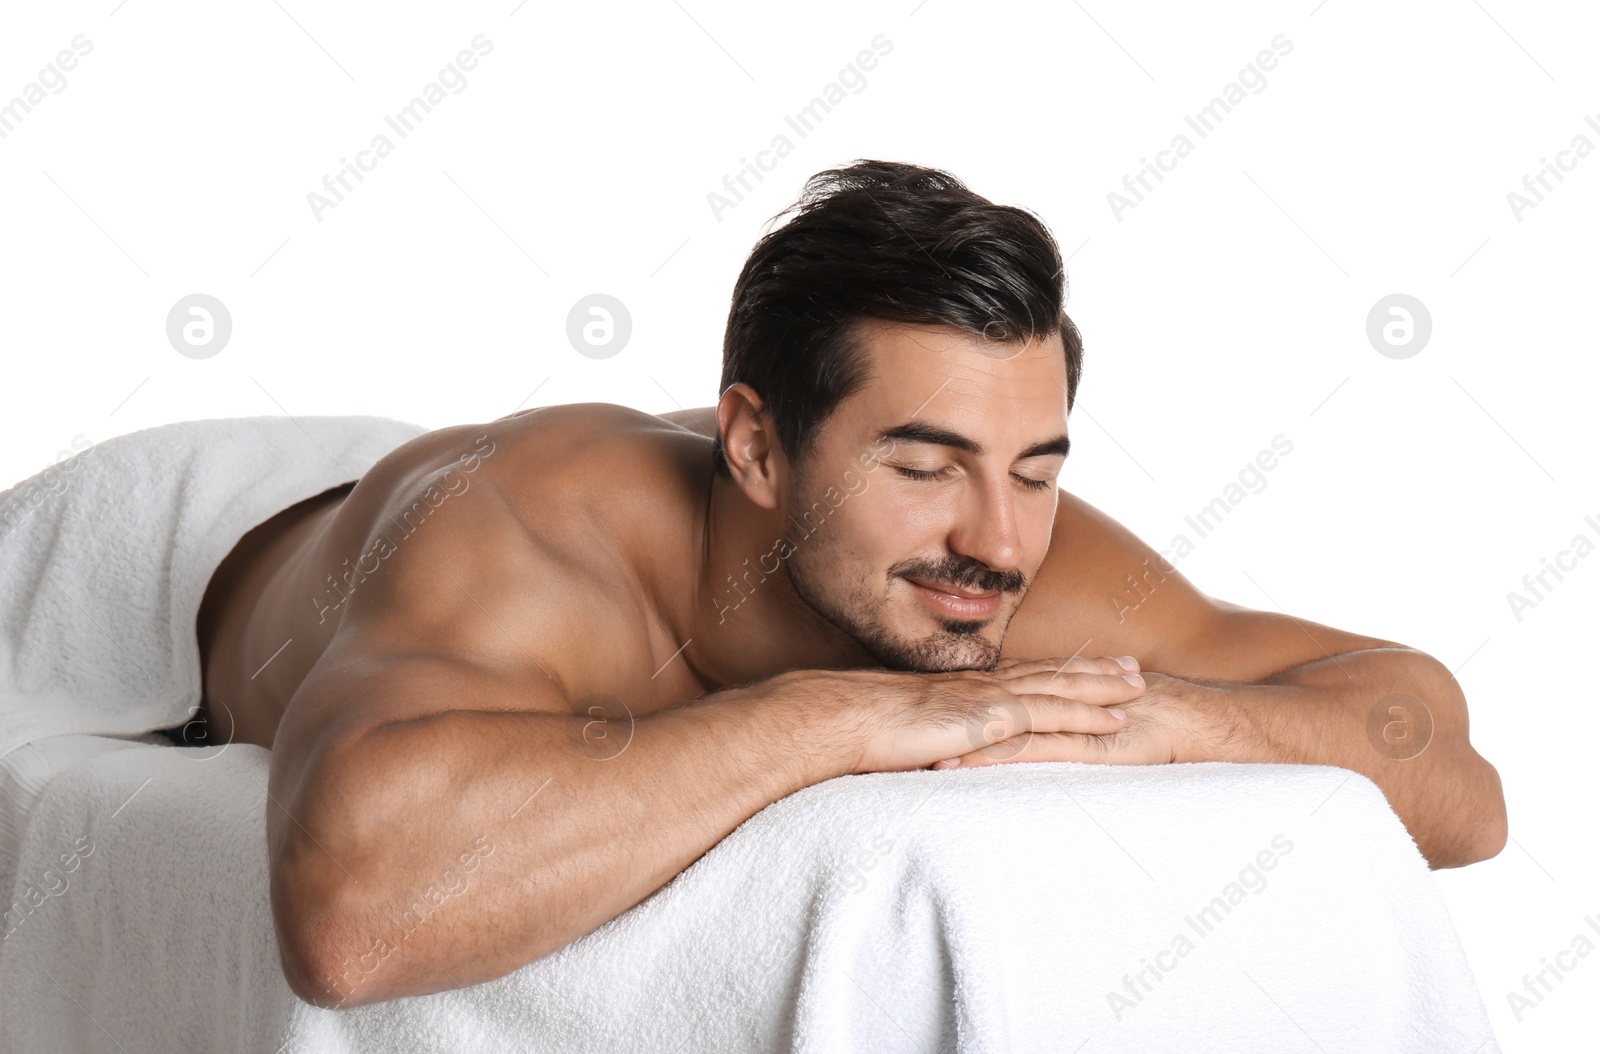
[887, 240]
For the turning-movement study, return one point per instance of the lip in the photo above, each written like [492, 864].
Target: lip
[961, 604]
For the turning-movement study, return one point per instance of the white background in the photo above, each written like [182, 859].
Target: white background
[1228, 306]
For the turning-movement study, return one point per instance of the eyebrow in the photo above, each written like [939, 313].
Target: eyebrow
[913, 432]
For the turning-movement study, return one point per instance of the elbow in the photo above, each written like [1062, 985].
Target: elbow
[1489, 845]
[321, 912]
[1490, 833]
[311, 980]
[321, 966]
[1479, 832]
[310, 957]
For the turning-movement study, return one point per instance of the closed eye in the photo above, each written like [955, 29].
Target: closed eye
[925, 474]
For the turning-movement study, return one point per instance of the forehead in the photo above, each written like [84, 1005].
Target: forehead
[946, 375]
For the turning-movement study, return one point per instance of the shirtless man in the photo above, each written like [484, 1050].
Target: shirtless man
[569, 647]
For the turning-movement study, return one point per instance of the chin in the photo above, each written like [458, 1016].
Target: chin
[944, 652]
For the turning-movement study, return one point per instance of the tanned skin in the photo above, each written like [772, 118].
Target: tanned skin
[556, 652]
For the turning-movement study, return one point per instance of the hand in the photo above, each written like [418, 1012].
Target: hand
[900, 721]
[1156, 729]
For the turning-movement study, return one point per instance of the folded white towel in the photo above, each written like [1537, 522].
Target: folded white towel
[1018, 908]
[105, 558]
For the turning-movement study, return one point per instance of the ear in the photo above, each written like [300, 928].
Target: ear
[750, 445]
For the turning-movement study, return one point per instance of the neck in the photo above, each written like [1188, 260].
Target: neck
[745, 619]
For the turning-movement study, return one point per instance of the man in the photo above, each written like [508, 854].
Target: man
[581, 644]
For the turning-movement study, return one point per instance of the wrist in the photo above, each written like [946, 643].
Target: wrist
[1210, 726]
[809, 724]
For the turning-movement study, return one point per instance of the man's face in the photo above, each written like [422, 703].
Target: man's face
[923, 506]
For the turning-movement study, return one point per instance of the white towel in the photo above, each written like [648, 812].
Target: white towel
[1023, 907]
[1018, 908]
[104, 560]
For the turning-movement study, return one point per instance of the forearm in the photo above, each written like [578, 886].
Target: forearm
[1394, 715]
[568, 823]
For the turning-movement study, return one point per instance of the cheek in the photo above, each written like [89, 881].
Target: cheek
[887, 528]
[1037, 536]
[1035, 546]
[909, 521]
[852, 549]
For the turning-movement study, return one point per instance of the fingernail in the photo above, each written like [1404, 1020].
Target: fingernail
[1116, 711]
[948, 763]
[1128, 662]
[1134, 679]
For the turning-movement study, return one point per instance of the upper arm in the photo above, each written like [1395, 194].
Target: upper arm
[486, 594]
[1104, 590]
[460, 615]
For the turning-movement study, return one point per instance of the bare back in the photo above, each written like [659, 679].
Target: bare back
[533, 544]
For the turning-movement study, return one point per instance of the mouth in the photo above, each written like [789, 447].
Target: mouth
[958, 601]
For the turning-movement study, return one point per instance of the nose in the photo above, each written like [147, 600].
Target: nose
[986, 530]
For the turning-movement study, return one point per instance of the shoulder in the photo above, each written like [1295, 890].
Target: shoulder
[553, 467]
[515, 540]
[1096, 589]
[1105, 591]
[531, 484]
[544, 440]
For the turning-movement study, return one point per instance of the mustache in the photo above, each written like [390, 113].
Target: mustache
[963, 571]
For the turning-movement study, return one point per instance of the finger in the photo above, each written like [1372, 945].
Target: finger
[1016, 667]
[1052, 746]
[1101, 689]
[1013, 749]
[1051, 713]
[1005, 719]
